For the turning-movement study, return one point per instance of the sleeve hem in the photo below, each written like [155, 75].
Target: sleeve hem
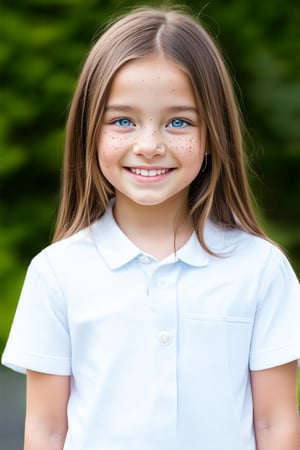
[44, 364]
[274, 357]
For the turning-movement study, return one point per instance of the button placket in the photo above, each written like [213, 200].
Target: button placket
[164, 304]
[163, 299]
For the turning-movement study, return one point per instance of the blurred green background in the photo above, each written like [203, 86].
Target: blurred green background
[42, 46]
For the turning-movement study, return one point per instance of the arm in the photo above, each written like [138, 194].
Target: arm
[276, 417]
[46, 411]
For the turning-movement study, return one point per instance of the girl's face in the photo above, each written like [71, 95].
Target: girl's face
[151, 144]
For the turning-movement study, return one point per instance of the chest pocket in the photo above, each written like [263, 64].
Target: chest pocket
[216, 340]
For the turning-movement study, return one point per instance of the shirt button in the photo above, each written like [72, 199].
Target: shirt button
[162, 283]
[144, 259]
[164, 337]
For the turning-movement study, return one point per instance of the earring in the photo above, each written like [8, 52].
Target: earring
[204, 165]
[158, 147]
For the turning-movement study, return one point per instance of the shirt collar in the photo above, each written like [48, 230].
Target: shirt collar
[117, 249]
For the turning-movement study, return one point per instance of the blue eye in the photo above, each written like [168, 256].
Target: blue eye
[178, 123]
[123, 122]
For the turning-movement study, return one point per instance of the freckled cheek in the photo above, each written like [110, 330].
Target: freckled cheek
[111, 148]
[189, 148]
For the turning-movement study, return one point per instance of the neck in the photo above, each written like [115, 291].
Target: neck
[157, 229]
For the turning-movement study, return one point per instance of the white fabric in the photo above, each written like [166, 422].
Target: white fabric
[159, 352]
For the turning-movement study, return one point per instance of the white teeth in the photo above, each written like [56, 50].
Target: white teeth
[148, 173]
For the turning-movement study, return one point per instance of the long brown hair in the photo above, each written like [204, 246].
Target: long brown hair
[221, 192]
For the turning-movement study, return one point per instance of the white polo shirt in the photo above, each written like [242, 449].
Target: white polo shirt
[159, 352]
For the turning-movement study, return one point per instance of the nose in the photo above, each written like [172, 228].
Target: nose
[149, 145]
[149, 152]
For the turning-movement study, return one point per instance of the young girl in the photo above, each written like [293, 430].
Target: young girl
[162, 317]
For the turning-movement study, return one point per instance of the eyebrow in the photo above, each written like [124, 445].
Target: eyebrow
[175, 108]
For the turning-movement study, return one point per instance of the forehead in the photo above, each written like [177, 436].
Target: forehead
[153, 75]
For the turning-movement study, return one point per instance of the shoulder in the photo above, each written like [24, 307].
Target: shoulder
[239, 241]
[257, 254]
[78, 242]
[67, 255]
[236, 243]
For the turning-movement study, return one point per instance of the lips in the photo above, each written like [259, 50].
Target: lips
[148, 172]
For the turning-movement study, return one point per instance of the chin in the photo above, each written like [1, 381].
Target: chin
[148, 202]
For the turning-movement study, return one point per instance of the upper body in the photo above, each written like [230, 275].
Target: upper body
[159, 352]
[171, 323]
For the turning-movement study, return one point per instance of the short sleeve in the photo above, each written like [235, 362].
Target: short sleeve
[39, 337]
[276, 332]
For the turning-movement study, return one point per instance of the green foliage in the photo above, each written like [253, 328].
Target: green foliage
[43, 44]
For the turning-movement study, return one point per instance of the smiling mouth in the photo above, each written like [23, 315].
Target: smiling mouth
[150, 172]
